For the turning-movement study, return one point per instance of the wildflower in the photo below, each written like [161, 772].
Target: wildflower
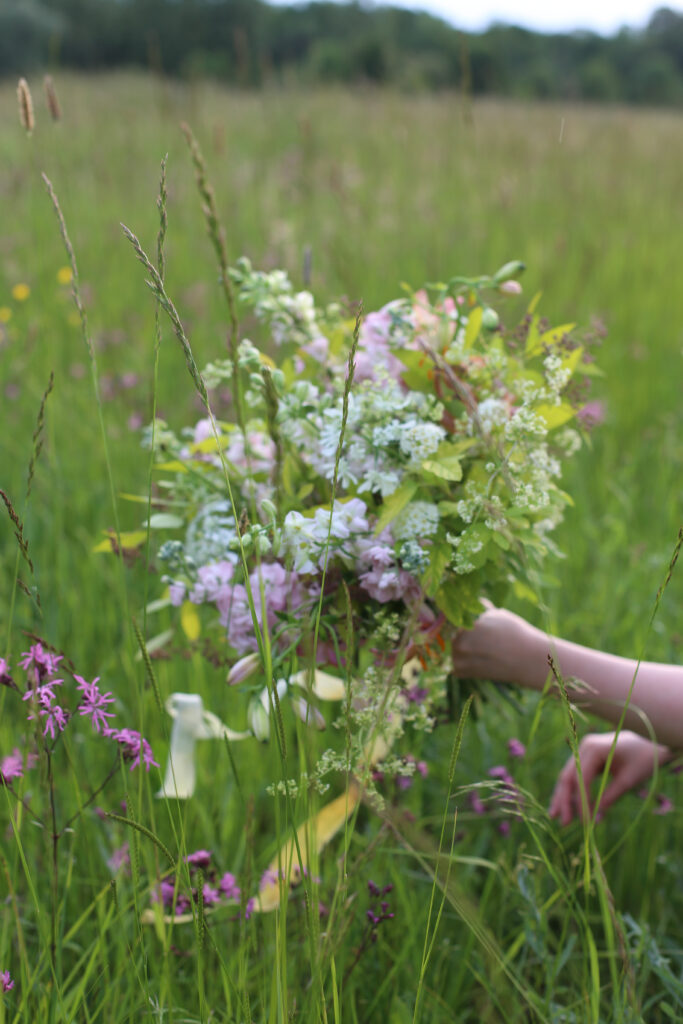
[504, 828]
[476, 803]
[12, 766]
[54, 716]
[210, 895]
[64, 275]
[199, 859]
[44, 663]
[94, 702]
[133, 747]
[592, 414]
[120, 858]
[516, 748]
[664, 805]
[5, 677]
[229, 887]
[6, 981]
[510, 288]
[21, 292]
[243, 668]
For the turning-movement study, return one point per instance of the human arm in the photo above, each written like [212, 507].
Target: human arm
[503, 647]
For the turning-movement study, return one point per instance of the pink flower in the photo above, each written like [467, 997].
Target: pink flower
[120, 858]
[199, 859]
[664, 805]
[229, 887]
[476, 803]
[516, 748]
[12, 766]
[6, 981]
[5, 676]
[94, 702]
[210, 895]
[134, 747]
[592, 414]
[504, 828]
[43, 662]
[510, 288]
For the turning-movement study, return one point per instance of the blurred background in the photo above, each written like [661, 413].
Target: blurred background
[629, 53]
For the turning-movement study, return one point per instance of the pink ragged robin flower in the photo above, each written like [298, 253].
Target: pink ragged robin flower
[44, 663]
[6, 981]
[94, 702]
[133, 747]
[12, 766]
[516, 748]
[5, 675]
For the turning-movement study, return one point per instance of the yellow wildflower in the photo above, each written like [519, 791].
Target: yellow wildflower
[21, 292]
[5, 314]
[64, 275]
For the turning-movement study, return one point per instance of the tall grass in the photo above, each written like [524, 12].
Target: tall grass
[542, 925]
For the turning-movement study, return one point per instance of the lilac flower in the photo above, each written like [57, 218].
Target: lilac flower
[6, 981]
[134, 747]
[94, 702]
[516, 748]
[229, 887]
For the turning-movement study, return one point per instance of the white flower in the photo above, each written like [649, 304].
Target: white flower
[419, 519]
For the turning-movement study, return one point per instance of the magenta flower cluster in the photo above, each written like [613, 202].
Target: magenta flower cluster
[6, 981]
[214, 890]
[41, 667]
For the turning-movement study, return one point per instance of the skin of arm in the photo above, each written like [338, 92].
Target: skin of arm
[504, 648]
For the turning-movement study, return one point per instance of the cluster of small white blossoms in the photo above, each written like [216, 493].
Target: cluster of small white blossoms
[291, 316]
[388, 433]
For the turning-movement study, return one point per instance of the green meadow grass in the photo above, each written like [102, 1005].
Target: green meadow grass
[382, 188]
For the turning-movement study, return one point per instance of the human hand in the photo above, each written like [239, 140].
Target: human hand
[502, 647]
[634, 760]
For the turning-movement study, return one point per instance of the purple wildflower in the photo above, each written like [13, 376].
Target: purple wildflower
[476, 803]
[199, 859]
[516, 748]
[504, 828]
[94, 702]
[210, 895]
[499, 771]
[5, 676]
[12, 766]
[6, 981]
[120, 858]
[664, 805]
[229, 887]
[44, 694]
[134, 747]
[43, 663]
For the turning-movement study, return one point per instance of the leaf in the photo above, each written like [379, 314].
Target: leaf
[458, 599]
[175, 466]
[165, 521]
[556, 415]
[524, 592]
[141, 499]
[189, 620]
[531, 308]
[209, 444]
[555, 334]
[395, 503]
[501, 540]
[440, 556]
[288, 474]
[126, 542]
[473, 328]
[449, 469]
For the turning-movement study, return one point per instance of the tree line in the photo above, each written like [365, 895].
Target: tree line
[250, 43]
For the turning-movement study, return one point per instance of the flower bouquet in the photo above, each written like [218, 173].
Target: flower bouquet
[369, 478]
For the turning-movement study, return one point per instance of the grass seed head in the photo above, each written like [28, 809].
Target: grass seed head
[51, 98]
[26, 117]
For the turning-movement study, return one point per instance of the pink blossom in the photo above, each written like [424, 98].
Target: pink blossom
[510, 288]
[374, 354]
[516, 748]
[94, 702]
[44, 663]
[229, 887]
[5, 676]
[177, 593]
[664, 805]
[592, 414]
[476, 803]
[504, 828]
[199, 859]
[213, 582]
[134, 747]
[120, 858]
[6, 981]
[12, 766]
[210, 895]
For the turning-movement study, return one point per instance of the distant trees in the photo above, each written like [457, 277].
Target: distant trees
[249, 43]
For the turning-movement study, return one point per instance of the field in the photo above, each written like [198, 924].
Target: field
[377, 189]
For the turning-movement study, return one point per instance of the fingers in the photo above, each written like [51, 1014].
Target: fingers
[571, 797]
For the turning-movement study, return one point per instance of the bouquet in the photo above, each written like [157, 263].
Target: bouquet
[375, 477]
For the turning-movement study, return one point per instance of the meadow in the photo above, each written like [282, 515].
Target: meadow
[370, 189]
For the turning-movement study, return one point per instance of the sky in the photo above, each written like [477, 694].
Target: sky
[603, 16]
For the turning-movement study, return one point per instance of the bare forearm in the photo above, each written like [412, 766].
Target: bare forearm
[653, 692]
